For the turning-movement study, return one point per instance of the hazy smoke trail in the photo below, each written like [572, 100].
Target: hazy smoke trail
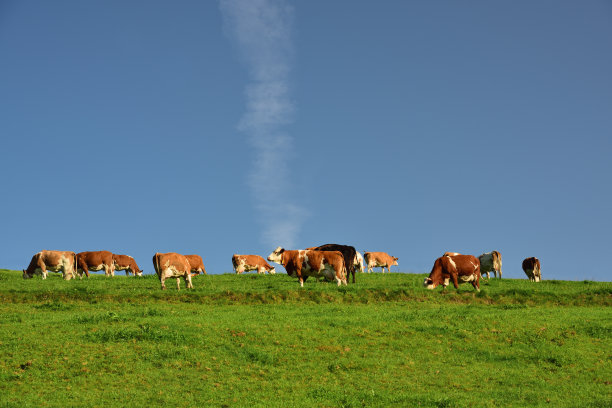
[261, 30]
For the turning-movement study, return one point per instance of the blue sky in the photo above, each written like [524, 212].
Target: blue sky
[411, 127]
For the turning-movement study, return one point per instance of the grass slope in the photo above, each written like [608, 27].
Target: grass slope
[261, 341]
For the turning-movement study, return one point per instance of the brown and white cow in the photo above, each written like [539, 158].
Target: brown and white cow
[304, 263]
[95, 261]
[126, 263]
[197, 264]
[348, 252]
[172, 265]
[491, 262]
[246, 263]
[55, 261]
[358, 262]
[379, 260]
[459, 268]
[531, 267]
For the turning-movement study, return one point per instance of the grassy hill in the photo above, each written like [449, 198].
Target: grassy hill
[261, 341]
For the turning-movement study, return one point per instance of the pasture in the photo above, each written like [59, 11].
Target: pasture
[261, 341]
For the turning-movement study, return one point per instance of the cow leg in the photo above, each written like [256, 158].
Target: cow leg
[455, 282]
[163, 284]
[188, 281]
[301, 282]
[178, 283]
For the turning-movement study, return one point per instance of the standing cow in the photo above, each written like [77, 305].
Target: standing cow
[95, 261]
[126, 263]
[491, 262]
[304, 263]
[379, 260]
[531, 267]
[55, 261]
[246, 263]
[459, 268]
[348, 253]
[197, 264]
[358, 262]
[172, 265]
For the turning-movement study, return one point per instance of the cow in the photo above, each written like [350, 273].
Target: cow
[491, 262]
[95, 261]
[172, 265]
[126, 263]
[348, 252]
[246, 263]
[197, 265]
[304, 263]
[358, 262]
[56, 261]
[531, 267]
[459, 268]
[379, 259]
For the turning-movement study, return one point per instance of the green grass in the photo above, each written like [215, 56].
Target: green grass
[261, 341]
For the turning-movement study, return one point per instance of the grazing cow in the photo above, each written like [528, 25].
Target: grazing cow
[491, 262]
[531, 267]
[304, 263]
[172, 265]
[126, 263]
[379, 260]
[348, 252]
[358, 262]
[246, 263]
[95, 261]
[459, 268]
[196, 263]
[56, 261]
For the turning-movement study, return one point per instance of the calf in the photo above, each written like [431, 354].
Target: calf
[459, 268]
[126, 263]
[491, 262]
[245, 263]
[172, 265]
[531, 267]
[304, 263]
[379, 260]
[55, 261]
[196, 264]
[95, 261]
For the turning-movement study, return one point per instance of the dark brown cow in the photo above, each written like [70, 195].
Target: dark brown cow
[531, 267]
[379, 259]
[95, 261]
[348, 252]
[126, 263]
[56, 261]
[245, 263]
[459, 268]
[197, 264]
[172, 265]
[304, 263]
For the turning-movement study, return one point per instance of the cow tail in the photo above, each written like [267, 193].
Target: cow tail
[156, 265]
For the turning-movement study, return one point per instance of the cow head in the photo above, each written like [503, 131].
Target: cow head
[277, 255]
[272, 270]
[429, 283]
[138, 272]
[26, 275]
[394, 261]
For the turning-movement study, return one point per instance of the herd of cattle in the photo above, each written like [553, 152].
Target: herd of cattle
[331, 261]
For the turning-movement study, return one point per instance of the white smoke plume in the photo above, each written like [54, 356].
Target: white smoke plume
[262, 32]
